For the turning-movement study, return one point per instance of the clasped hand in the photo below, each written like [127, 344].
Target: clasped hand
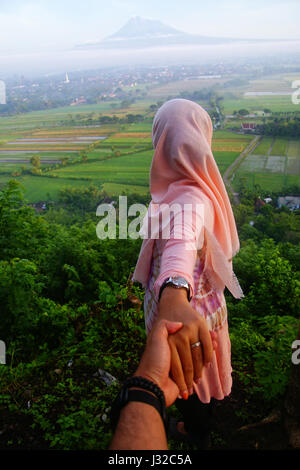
[186, 362]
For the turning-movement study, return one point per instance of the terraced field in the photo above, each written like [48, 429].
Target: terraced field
[118, 161]
[58, 140]
[128, 169]
[279, 147]
[117, 157]
[276, 103]
[293, 154]
[274, 163]
[61, 114]
[264, 146]
[176, 87]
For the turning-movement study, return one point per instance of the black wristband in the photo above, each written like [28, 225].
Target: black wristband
[145, 397]
[147, 385]
[158, 401]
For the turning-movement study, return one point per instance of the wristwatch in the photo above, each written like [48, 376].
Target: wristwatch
[177, 282]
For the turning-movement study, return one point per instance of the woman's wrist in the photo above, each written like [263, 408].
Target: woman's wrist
[173, 303]
[173, 295]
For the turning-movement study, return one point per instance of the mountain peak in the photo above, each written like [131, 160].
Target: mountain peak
[141, 32]
[138, 27]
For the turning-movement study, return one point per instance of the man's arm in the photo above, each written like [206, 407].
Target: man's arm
[140, 425]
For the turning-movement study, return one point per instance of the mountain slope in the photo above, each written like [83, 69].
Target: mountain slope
[140, 32]
[138, 27]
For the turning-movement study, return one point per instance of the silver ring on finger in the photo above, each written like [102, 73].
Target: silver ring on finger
[195, 345]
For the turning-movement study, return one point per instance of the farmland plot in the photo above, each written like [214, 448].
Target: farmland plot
[279, 147]
[276, 164]
[132, 169]
[52, 145]
[253, 163]
[224, 159]
[293, 165]
[264, 147]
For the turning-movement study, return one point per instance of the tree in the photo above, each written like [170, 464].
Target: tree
[35, 161]
[153, 108]
[243, 112]
[269, 280]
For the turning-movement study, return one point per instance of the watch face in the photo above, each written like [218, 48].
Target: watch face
[181, 280]
[178, 281]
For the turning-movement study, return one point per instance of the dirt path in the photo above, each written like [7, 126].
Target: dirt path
[271, 147]
[249, 149]
[27, 161]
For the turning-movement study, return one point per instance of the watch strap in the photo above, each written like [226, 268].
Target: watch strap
[168, 282]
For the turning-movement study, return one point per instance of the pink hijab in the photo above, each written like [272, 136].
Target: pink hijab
[184, 171]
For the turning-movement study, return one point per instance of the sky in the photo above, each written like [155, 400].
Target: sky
[41, 25]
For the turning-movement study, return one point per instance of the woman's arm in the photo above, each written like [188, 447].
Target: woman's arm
[179, 258]
[186, 362]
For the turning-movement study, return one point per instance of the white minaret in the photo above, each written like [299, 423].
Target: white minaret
[67, 80]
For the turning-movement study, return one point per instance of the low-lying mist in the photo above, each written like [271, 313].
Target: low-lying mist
[54, 61]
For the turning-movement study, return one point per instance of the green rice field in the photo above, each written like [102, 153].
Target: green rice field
[280, 147]
[277, 103]
[273, 164]
[264, 146]
[120, 160]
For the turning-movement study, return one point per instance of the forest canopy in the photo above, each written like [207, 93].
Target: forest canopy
[68, 309]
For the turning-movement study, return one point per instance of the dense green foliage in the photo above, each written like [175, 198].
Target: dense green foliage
[68, 309]
[264, 324]
[64, 297]
[281, 127]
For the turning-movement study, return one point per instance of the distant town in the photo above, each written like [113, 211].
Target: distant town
[116, 84]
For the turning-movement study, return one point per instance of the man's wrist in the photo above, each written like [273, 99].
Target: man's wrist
[142, 386]
[141, 373]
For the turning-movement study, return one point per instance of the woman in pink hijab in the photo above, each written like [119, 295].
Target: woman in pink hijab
[186, 271]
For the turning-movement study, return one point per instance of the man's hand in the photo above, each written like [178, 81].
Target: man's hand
[186, 362]
[156, 360]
